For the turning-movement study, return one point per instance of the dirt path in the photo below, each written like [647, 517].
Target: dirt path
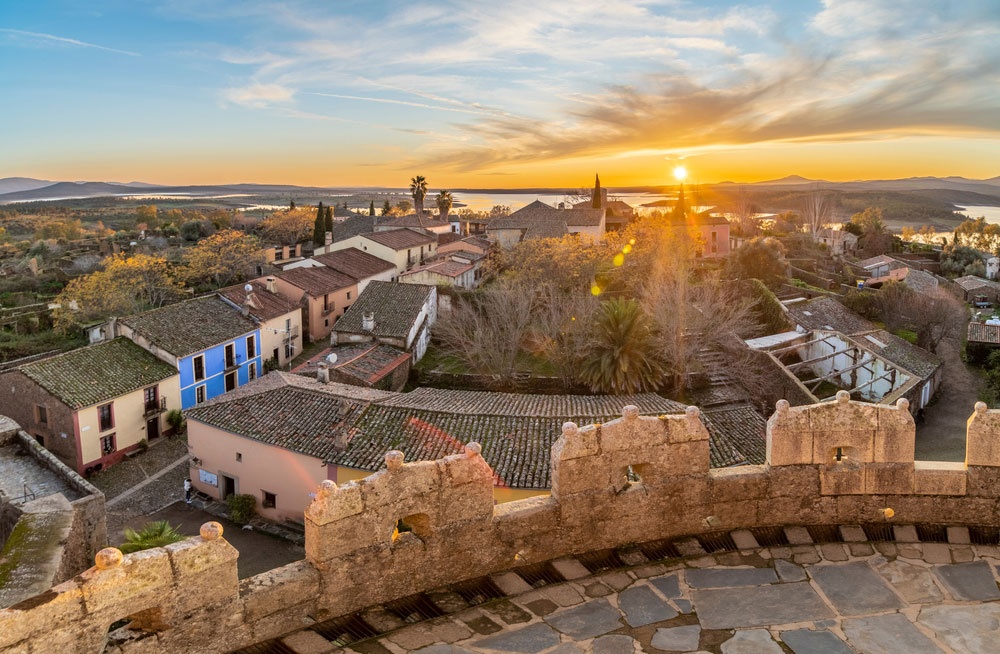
[941, 437]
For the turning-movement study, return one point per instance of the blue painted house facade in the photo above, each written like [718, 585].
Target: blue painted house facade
[215, 348]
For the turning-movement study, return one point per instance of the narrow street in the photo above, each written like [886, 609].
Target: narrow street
[941, 437]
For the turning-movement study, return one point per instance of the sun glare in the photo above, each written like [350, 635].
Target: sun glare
[680, 172]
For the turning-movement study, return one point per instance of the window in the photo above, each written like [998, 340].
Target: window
[199, 394]
[231, 382]
[105, 417]
[289, 350]
[251, 347]
[230, 355]
[326, 302]
[239, 456]
[149, 399]
[107, 444]
[199, 367]
[270, 500]
[42, 414]
[252, 371]
[278, 253]
[40, 439]
[348, 295]
[715, 236]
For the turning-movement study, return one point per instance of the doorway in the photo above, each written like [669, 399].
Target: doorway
[153, 428]
[228, 486]
[230, 381]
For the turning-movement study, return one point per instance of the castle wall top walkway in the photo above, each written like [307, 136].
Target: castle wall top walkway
[633, 481]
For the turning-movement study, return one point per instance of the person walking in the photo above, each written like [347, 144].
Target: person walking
[187, 491]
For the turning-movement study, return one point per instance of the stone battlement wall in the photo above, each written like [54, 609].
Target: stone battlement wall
[420, 526]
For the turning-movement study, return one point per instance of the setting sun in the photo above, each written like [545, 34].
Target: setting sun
[680, 173]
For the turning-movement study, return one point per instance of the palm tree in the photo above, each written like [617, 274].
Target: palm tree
[418, 189]
[621, 356]
[444, 201]
[152, 534]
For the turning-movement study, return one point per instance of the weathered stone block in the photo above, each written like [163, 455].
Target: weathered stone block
[853, 534]
[959, 536]
[278, 588]
[570, 568]
[894, 444]
[982, 447]
[842, 480]
[738, 483]
[334, 503]
[63, 604]
[798, 536]
[138, 583]
[939, 478]
[982, 481]
[889, 478]
[744, 539]
[308, 642]
[789, 436]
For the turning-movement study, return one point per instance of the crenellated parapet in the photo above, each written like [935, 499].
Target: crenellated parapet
[420, 526]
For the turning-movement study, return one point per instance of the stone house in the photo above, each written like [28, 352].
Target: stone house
[390, 313]
[279, 319]
[404, 248]
[474, 244]
[973, 287]
[323, 294]
[539, 220]
[360, 265]
[428, 222]
[458, 268]
[92, 406]
[837, 241]
[213, 346]
[371, 365]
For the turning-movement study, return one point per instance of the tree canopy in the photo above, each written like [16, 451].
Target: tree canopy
[287, 227]
[222, 259]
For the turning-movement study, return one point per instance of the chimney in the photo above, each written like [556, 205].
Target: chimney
[271, 286]
[328, 239]
[323, 372]
[562, 205]
[368, 322]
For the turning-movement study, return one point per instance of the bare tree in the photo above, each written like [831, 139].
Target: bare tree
[559, 327]
[744, 213]
[486, 329]
[815, 211]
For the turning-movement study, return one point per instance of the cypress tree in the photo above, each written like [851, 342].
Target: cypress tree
[319, 230]
[595, 201]
[371, 209]
[386, 208]
[329, 219]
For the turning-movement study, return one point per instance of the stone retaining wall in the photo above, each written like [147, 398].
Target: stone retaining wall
[631, 481]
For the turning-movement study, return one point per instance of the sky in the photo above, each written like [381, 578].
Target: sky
[498, 93]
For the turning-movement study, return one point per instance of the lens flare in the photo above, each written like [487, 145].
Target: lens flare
[680, 173]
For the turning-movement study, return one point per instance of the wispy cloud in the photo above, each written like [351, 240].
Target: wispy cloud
[258, 95]
[61, 40]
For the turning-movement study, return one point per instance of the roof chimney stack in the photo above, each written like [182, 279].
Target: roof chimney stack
[271, 286]
[323, 372]
[368, 321]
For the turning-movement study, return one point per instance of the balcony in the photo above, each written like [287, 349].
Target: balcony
[154, 408]
[291, 334]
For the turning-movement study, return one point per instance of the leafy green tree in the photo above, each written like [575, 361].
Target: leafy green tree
[150, 535]
[959, 260]
[329, 219]
[620, 357]
[146, 214]
[386, 208]
[319, 227]
[875, 238]
[418, 189]
[444, 202]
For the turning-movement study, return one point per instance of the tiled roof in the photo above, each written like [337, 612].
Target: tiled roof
[980, 332]
[917, 280]
[444, 268]
[317, 281]
[192, 326]
[297, 419]
[826, 313]
[366, 362]
[971, 283]
[401, 239]
[429, 221]
[738, 436]
[516, 431]
[880, 260]
[518, 404]
[98, 373]
[353, 226]
[355, 263]
[539, 212]
[396, 308]
[263, 304]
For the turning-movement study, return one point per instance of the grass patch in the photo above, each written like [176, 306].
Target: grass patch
[907, 335]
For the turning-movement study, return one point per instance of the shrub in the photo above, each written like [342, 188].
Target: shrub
[241, 507]
[176, 420]
[152, 534]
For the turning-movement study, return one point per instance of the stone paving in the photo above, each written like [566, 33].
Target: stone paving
[835, 598]
[23, 479]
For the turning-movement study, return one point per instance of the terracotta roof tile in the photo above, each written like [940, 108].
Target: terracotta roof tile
[263, 304]
[317, 280]
[355, 263]
[401, 239]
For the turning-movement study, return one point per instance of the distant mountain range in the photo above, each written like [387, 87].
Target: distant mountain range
[25, 189]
